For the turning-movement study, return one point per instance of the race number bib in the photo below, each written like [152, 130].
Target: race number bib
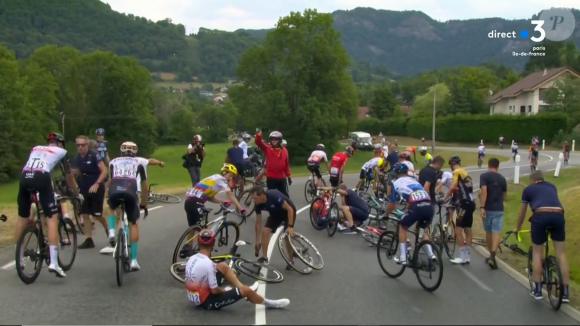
[419, 195]
[314, 159]
[35, 164]
[192, 192]
[125, 171]
[194, 297]
[334, 171]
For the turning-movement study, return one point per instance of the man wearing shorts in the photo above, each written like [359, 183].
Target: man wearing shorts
[337, 163]
[282, 212]
[547, 217]
[354, 209]
[201, 281]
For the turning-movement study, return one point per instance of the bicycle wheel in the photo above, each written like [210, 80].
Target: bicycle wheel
[332, 219]
[183, 241]
[309, 193]
[423, 263]
[289, 261]
[554, 283]
[389, 243]
[32, 255]
[167, 198]
[177, 270]
[120, 253]
[223, 234]
[76, 211]
[67, 238]
[316, 218]
[441, 238]
[258, 271]
[307, 252]
[370, 237]
[246, 201]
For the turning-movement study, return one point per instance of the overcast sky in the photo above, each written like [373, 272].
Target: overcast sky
[230, 15]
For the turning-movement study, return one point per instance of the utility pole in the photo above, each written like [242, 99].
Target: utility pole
[62, 122]
[434, 115]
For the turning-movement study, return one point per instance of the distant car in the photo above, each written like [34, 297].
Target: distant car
[362, 141]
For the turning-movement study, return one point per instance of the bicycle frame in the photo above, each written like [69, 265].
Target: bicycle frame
[219, 224]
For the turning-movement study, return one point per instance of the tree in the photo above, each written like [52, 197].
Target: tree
[217, 119]
[297, 82]
[423, 104]
[383, 103]
[565, 97]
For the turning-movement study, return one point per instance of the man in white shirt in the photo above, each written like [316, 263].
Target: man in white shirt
[244, 146]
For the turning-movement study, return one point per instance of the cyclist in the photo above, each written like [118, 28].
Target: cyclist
[514, 150]
[418, 209]
[277, 168]
[547, 216]
[392, 159]
[566, 150]
[428, 157]
[404, 158]
[369, 171]
[423, 140]
[102, 145]
[248, 165]
[501, 142]
[385, 150]
[317, 156]
[337, 164]
[463, 184]
[201, 281]
[533, 153]
[354, 209]
[36, 175]
[206, 190]
[480, 153]
[411, 149]
[282, 212]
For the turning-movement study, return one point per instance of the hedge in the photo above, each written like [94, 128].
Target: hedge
[472, 128]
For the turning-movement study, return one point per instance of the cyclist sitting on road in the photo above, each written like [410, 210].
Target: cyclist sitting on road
[418, 209]
[533, 153]
[235, 156]
[314, 160]
[36, 175]
[463, 185]
[547, 216]
[411, 149]
[201, 281]
[428, 157]
[206, 190]
[337, 164]
[282, 212]
[354, 209]
[369, 171]
[480, 152]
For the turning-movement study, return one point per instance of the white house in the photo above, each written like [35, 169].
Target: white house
[527, 95]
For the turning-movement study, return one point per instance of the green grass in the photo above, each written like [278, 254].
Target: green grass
[568, 184]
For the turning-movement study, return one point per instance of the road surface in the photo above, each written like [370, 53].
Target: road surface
[351, 289]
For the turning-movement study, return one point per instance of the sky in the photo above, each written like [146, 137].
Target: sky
[230, 15]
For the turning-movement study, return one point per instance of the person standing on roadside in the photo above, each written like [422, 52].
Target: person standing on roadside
[392, 159]
[194, 159]
[103, 150]
[92, 171]
[493, 192]
[277, 168]
[429, 175]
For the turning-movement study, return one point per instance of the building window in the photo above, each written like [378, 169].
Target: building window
[492, 109]
[522, 109]
[529, 108]
[542, 94]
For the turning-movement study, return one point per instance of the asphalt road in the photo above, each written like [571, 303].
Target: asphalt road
[351, 289]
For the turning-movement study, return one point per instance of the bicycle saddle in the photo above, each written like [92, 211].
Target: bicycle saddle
[206, 210]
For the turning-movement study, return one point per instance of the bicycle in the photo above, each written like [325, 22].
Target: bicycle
[372, 234]
[122, 252]
[41, 253]
[60, 184]
[217, 226]
[247, 202]
[302, 252]
[479, 161]
[164, 198]
[310, 189]
[443, 232]
[237, 264]
[389, 240]
[566, 158]
[366, 184]
[321, 214]
[533, 164]
[513, 247]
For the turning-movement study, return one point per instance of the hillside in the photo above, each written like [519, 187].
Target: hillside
[404, 42]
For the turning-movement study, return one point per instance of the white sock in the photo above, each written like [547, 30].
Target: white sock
[270, 303]
[467, 252]
[403, 250]
[65, 216]
[429, 251]
[463, 253]
[53, 255]
[111, 233]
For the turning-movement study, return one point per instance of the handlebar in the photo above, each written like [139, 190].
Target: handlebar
[225, 211]
[3, 218]
[518, 234]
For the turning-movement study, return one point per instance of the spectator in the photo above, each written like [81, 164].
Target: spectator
[493, 191]
[194, 159]
[277, 168]
[547, 216]
[428, 176]
[235, 156]
[248, 166]
[92, 171]
[392, 159]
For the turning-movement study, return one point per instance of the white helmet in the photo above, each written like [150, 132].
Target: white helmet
[422, 149]
[385, 148]
[276, 134]
[129, 148]
[284, 142]
[246, 136]
[319, 146]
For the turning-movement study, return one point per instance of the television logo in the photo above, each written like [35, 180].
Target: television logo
[556, 24]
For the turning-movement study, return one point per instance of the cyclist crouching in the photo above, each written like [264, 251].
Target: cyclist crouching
[204, 191]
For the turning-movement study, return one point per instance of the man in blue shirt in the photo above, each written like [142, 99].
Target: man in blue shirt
[235, 156]
[92, 173]
[392, 159]
[354, 209]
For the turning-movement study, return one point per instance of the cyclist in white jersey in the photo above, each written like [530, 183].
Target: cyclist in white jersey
[445, 181]
[204, 191]
[514, 150]
[480, 151]
[314, 160]
[417, 210]
[370, 170]
[36, 178]
[203, 278]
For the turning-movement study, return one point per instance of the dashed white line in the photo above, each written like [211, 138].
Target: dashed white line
[475, 279]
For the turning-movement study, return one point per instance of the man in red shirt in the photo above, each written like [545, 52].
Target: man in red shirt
[278, 167]
[337, 164]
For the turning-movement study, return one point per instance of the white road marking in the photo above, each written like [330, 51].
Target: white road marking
[260, 308]
[475, 279]
[12, 263]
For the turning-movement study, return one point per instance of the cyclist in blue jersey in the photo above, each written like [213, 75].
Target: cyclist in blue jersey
[417, 210]
[102, 145]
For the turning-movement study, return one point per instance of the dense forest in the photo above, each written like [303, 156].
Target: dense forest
[404, 42]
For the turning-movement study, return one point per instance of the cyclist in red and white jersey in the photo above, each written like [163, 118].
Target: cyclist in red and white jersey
[337, 163]
[314, 160]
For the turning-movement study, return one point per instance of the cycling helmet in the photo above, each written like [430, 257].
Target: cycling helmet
[99, 131]
[380, 162]
[422, 149]
[55, 136]
[276, 135]
[197, 138]
[284, 143]
[349, 150]
[246, 136]
[230, 168]
[400, 168]
[402, 155]
[206, 238]
[320, 146]
[129, 148]
[454, 160]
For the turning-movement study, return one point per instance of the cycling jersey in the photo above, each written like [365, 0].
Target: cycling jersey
[317, 156]
[127, 173]
[372, 163]
[337, 162]
[514, 148]
[44, 158]
[534, 148]
[207, 188]
[566, 148]
[128, 168]
[446, 179]
[481, 150]
[200, 278]
[464, 184]
[102, 148]
[410, 167]
[410, 190]
[410, 149]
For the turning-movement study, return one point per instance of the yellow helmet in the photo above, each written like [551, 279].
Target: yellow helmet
[229, 168]
[381, 162]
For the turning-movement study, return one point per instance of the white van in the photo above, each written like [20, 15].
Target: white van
[363, 140]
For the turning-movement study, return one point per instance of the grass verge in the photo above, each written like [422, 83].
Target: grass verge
[569, 193]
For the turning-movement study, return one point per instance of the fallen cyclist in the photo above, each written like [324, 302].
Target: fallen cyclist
[354, 209]
[201, 281]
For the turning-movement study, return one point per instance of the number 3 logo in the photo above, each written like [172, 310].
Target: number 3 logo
[538, 28]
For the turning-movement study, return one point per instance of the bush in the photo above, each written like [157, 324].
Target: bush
[561, 136]
[393, 127]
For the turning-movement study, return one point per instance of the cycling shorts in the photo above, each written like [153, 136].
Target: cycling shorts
[366, 174]
[192, 206]
[418, 212]
[126, 191]
[224, 299]
[480, 154]
[535, 154]
[315, 168]
[31, 182]
[465, 214]
[334, 181]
